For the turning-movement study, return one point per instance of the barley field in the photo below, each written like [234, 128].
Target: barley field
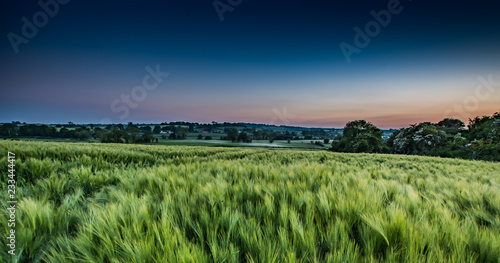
[136, 203]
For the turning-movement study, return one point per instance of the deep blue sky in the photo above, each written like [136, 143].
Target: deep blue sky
[265, 60]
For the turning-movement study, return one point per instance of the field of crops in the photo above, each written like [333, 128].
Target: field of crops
[136, 203]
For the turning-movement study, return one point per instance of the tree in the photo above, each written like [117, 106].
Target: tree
[134, 134]
[64, 133]
[272, 137]
[133, 130]
[8, 130]
[146, 129]
[258, 135]
[243, 137]
[358, 136]
[494, 135]
[423, 139]
[99, 134]
[482, 127]
[232, 135]
[148, 137]
[363, 146]
[35, 130]
[181, 133]
[452, 126]
[116, 136]
[81, 133]
[157, 129]
[200, 136]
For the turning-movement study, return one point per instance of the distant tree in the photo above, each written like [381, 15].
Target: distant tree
[208, 137]
[326, 141]
[157, 129]
[272, 136]
[181, 133]
[148, 137]
[318, 143]
[81, 133]
[146, 129]
[8, 130]
[35, 130]
[116, 136]
[232, 135]
[243, 137]
[64, 133]
[133, 130]
[200, 136]
[134, 134]
[99, 134]
[258, 135]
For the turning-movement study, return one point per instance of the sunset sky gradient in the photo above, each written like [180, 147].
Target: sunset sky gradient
[264, 57]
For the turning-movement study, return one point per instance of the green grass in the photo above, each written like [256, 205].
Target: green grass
[84, 202]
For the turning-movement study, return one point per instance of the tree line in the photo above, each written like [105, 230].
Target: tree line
[109, 134]
[480, 139]
[447, 138]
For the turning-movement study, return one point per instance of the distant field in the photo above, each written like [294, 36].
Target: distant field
[193, 141]
[91, 202]
[255, 143]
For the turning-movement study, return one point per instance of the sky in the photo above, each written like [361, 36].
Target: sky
[314, 63]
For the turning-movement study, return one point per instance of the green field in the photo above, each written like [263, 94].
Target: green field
[90, 202]
[301, 144]
[192, 140]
